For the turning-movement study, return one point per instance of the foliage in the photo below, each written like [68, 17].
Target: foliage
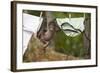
[69, 45]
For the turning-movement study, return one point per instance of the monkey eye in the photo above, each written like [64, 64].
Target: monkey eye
[44, 30]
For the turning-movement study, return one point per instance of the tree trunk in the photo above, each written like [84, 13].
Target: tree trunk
[49, 17]
[87, 37]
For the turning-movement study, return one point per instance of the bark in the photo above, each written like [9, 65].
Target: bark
[87, 36]
[49, 17]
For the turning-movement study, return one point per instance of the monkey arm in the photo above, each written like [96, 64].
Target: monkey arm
[47, 43]
[45, 46]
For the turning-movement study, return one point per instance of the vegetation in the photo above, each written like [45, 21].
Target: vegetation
[69, 45]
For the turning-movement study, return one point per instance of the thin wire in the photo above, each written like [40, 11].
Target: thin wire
[70, 16]
[69, 22]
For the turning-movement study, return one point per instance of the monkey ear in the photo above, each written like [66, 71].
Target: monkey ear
[57, 28]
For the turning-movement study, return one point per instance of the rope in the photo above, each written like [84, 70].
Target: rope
[70, 21]
[70, 16]
[41, 13]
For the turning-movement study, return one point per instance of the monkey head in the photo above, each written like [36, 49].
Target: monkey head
[53, 26]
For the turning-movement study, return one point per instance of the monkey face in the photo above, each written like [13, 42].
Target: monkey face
[53, 26]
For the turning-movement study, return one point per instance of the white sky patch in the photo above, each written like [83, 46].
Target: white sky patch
[30, 25]
[31, 22]
[77, 23]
